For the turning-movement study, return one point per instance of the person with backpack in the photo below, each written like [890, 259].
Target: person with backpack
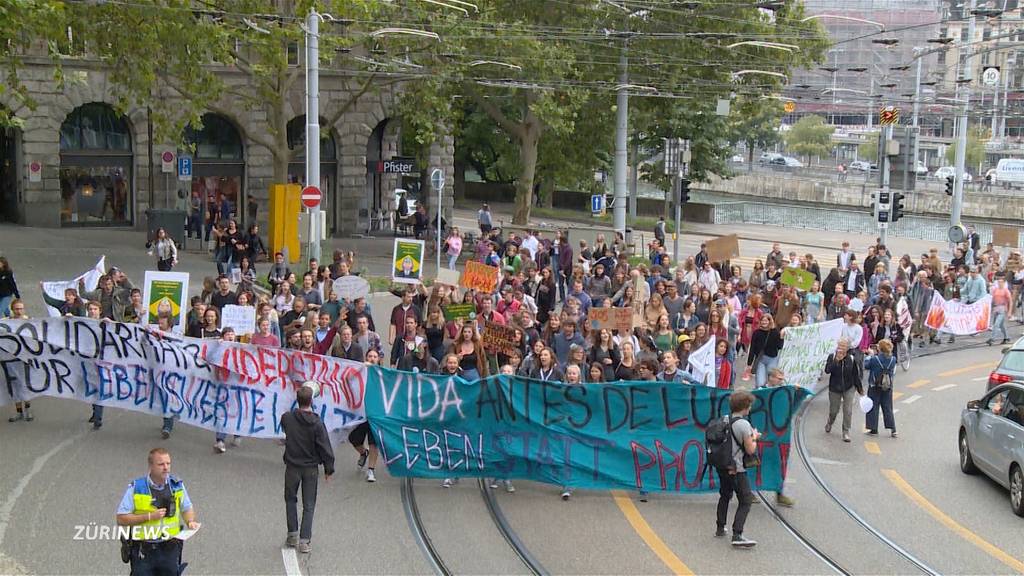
[731, 443]
[881, 369]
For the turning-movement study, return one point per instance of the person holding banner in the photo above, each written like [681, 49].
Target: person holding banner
[469, 351]
[765, 345]
[72, 305]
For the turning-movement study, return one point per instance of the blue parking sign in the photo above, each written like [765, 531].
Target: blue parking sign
[597, 204]
[184, 168]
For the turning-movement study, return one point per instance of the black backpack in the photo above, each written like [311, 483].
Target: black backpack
[718, 442]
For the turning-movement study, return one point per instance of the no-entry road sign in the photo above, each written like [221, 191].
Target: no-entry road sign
[311, 196]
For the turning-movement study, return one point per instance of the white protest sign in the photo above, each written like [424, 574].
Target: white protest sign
[212, 384]
[91, 279]
[448, 277]
[351, 287]
[702, 363]
[241, 319]
[806, 349]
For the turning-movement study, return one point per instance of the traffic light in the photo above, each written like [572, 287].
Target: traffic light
[897, 207]
[949, 185]
[883, 208]
[684, 191]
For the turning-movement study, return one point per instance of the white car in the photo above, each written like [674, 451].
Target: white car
[947, 171]
[736, 159]
[768, 157]
[920, 169]
[860, 166]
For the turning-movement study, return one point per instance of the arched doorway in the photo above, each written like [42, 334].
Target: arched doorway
[96, 168]
[218, 168]
[328, 165]
[10, 139]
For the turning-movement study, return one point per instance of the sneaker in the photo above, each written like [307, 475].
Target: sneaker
[292, 540]
[828, 428]
[871, 432]
[219, 447]
[951, 340]
[509, 487]
[784, 501]
[97, 424]
[643, 496]
[362, 458]
[740, 541]
[721, 532]
[165, 434]
[894, 434]
[92, 419]
[1005, 341]
[846, 437]
[236, 441]
[370, 476]
[566, 495]
[17, 418]
[989, 341]
[494, 484]
[303, 547]
[28, 416]
[447, 483]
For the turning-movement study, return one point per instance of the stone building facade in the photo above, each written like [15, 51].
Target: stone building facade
[73, 161]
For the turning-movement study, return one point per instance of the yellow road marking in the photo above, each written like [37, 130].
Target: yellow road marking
[649, 536]
[952, 524]
[966, 369]
[897, 395]
[872, 447]
[919, 383]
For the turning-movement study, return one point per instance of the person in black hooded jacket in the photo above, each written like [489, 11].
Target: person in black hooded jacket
[306, 447]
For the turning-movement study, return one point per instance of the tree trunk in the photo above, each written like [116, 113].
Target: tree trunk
[459, 186]
[277, 120]
[528, 146]
[750, 157]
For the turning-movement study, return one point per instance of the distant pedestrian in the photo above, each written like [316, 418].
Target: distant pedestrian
[8, 286]
[165, 250]
[483, 218]
[844, 380]
[881, 368]
[306, 448]
[659, 230]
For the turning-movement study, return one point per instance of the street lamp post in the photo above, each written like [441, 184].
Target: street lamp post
[313, 127]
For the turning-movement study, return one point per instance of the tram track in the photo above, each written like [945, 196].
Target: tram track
[435, 558]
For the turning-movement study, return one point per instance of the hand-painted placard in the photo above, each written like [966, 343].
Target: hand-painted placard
[620, 319]
[498, 338]
[459, 311]
[801, 279]
[480, 277]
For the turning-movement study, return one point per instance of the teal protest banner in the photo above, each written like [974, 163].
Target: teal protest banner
[633, 436]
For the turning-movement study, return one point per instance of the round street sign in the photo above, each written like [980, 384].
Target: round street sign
[167, 156]
[310, 196]
[990, 77]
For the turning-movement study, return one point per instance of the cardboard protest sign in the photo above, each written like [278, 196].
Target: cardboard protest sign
[407, 261]
[480, 277]
[599, 438]
[350, 287]
[801, 279]
[241, 319]
[724, 248]
[620, 319]
[498, 338]
[447, 277]
[165, 294]
[1006, 236]
[459, 311]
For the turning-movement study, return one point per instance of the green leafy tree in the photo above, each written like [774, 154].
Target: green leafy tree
[755, 122]
[810, 137]
[24, 25]
[977, 135]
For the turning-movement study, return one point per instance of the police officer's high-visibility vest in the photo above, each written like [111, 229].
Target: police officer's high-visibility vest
[143, 499]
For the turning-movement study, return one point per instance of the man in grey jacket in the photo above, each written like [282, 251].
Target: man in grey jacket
[306, 447]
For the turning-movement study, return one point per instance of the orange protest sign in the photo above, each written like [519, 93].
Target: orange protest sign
[620, 319]
[480, 277]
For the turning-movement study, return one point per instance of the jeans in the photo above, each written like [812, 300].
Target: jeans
[226, 261]
[97, 413]
[472, 374]
[739, 484]
[159, 560]
[844, 400]
[883, 399]
[220, 436]
[195, 225]
[561, 282]
[168, 424]
[295, 476]
[5, 305]
[999, 322]
[764, 365]
[452, 259]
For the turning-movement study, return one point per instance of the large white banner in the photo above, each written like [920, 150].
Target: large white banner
[954, 317]
[91, 278]
[805, 350]
[222, 386]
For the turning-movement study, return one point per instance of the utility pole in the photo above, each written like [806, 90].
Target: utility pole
[884, 169]
[621, 141]
[964, 94]
[917, 110]
[634, 177]
[313, 126]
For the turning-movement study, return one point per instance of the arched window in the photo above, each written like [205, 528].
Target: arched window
[218, 173]
[96, 167]
[297, 139]
[217, 140]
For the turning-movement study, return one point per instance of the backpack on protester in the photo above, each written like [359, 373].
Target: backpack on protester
[718, 439]
[884, 381]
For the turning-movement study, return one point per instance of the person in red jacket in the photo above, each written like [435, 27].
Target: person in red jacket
[722, 365]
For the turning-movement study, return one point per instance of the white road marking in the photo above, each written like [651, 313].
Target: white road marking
[943, 387]
[291, 561]
[37, 467]
[913, 399]
[982, 379]
[817, 460]
[895, 410]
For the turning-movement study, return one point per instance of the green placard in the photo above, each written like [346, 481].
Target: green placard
[459, 311]
[802, 279]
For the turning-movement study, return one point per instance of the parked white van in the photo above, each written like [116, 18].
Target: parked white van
[1009, 171]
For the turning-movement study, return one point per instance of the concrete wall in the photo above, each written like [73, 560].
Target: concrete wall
[87, 82]
[766, 187]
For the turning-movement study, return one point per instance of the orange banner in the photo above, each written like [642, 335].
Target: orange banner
[480, 277]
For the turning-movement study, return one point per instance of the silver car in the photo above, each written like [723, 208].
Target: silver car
[992, 439]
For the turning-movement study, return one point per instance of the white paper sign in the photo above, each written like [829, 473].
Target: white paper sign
[702, 363]
[241, 319]
[805, 350]
[351, 287]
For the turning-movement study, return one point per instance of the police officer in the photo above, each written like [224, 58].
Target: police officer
[156, 506]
